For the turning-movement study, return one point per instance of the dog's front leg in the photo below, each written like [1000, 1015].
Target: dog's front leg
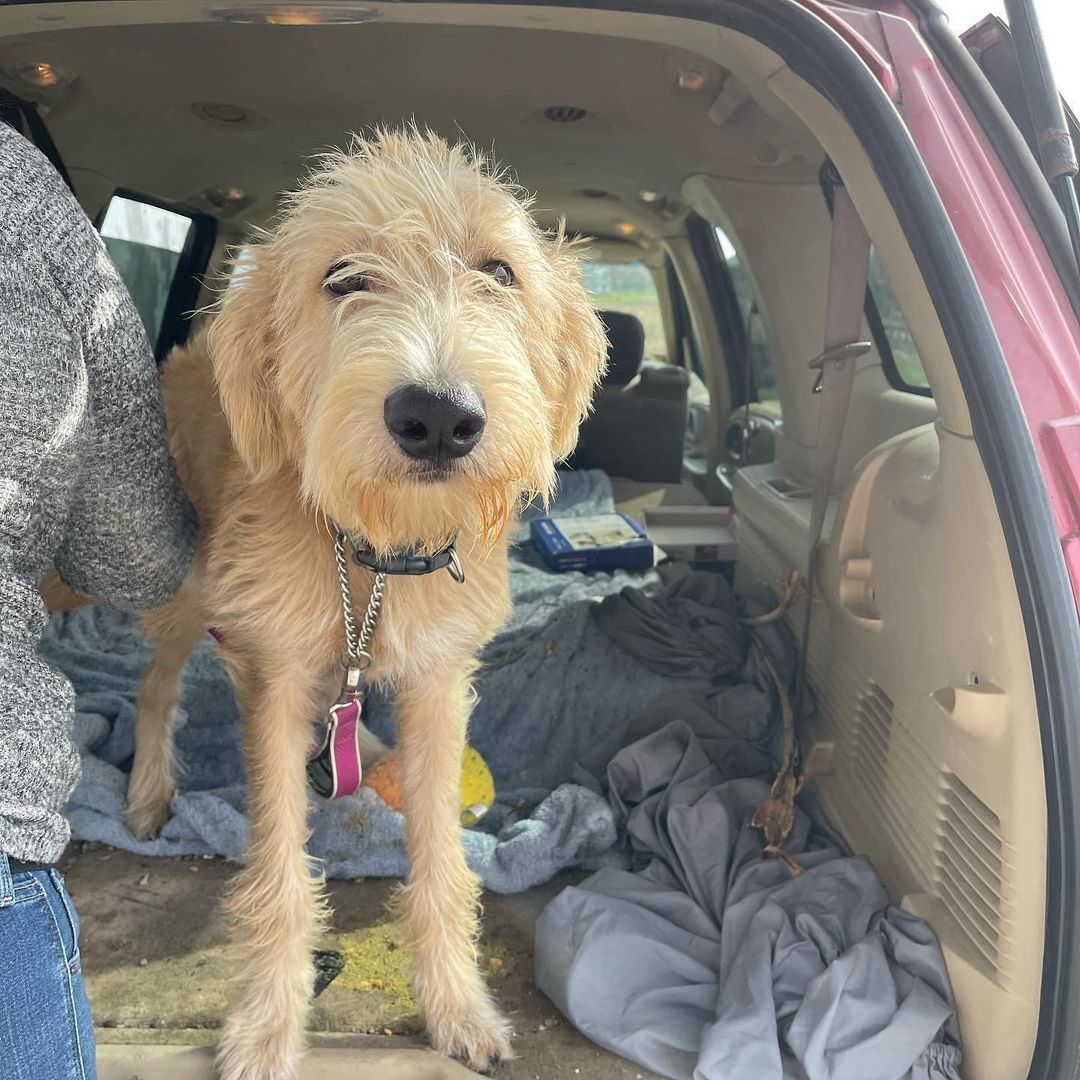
[440, 896]
[276, 898]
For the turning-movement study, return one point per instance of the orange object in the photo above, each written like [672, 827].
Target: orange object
[384, 778]
[477, 784]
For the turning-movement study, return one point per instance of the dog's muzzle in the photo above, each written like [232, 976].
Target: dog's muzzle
[436, 426]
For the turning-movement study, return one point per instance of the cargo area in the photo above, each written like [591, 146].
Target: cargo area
[158, 970]
[696, 174]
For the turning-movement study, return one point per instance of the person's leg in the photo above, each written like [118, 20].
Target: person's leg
[46, 1032]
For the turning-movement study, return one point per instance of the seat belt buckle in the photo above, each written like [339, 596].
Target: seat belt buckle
[838, 355]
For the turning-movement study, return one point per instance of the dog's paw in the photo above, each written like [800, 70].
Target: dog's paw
[146, 818]
[481, 1041]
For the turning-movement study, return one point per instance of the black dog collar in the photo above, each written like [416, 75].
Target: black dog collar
[409, 562]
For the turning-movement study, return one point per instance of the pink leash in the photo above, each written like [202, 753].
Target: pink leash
[334, 767]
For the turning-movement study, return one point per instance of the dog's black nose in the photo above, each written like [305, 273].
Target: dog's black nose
[434, 425]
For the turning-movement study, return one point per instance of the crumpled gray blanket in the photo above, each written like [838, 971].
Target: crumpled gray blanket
[707, 962]
[553, 686]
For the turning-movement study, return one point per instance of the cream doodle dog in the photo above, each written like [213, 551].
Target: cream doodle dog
[404, 357]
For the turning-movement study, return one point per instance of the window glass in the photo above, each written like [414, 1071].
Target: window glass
[241, 261]
[761, 358]
[899, 357]
[145, 243]
[630, 288]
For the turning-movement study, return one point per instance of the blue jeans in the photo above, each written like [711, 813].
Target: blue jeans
[46, 1032]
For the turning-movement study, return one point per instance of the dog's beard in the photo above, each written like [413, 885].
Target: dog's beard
[396, 505]
[428, 515]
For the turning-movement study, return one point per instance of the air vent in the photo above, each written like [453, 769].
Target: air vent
[874, 736]
[968, 868]
[596, 193]
[896, 782]
[564, 114]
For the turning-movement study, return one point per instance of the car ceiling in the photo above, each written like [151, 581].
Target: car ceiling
[176, 110]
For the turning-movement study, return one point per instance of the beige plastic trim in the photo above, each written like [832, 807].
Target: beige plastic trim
[847, 153]
[704, 323]
[926, 743]
[782, 232]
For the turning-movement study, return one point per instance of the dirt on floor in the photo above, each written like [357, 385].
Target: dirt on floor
[157, 964]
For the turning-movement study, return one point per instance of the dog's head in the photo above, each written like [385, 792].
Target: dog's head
[410, 342]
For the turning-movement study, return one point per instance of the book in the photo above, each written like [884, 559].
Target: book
[594, 542]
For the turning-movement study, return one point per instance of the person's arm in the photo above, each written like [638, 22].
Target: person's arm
[39, 763]
[131, 531]
[41, 388]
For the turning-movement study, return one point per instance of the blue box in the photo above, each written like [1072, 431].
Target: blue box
[593, 542]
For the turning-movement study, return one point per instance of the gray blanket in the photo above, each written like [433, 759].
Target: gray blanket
[554, 686]
[707, 962]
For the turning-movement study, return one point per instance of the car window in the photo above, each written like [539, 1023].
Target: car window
[630, 288]
[899, 357]
[761, 357]
[145, 244]
[240, 262]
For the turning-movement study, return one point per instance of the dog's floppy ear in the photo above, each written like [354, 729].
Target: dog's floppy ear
[242, 353]
[581, 345]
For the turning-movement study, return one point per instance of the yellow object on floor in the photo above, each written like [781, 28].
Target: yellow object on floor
[477, 784]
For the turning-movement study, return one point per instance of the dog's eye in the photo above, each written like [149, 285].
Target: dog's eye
[500, 273]
[342, 286]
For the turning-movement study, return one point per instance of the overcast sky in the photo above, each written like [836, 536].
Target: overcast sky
[1060, 20]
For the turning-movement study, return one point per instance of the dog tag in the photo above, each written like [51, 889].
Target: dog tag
[333, 768]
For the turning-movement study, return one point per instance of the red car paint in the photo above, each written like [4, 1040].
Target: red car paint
[1037, 328]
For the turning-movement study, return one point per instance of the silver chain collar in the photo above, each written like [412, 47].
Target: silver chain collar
[357, 658]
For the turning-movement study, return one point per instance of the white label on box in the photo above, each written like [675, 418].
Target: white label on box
[597, 531]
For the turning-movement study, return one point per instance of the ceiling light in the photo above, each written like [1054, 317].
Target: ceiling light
[691, 79]
[39, 74]
[296, 14]
[649, 196]
[626, 228]
[225, 198]
[227, 114]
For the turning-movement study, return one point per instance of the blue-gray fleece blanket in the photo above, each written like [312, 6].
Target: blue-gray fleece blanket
[554, 691]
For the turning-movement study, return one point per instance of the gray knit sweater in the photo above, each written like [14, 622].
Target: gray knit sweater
[86, 481]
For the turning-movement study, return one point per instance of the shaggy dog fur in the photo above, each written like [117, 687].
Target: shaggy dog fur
[383, 272]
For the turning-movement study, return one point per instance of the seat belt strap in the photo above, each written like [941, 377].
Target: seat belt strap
[849, 265]
[13, 108]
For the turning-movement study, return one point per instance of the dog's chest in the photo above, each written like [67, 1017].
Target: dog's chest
[432, 621]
